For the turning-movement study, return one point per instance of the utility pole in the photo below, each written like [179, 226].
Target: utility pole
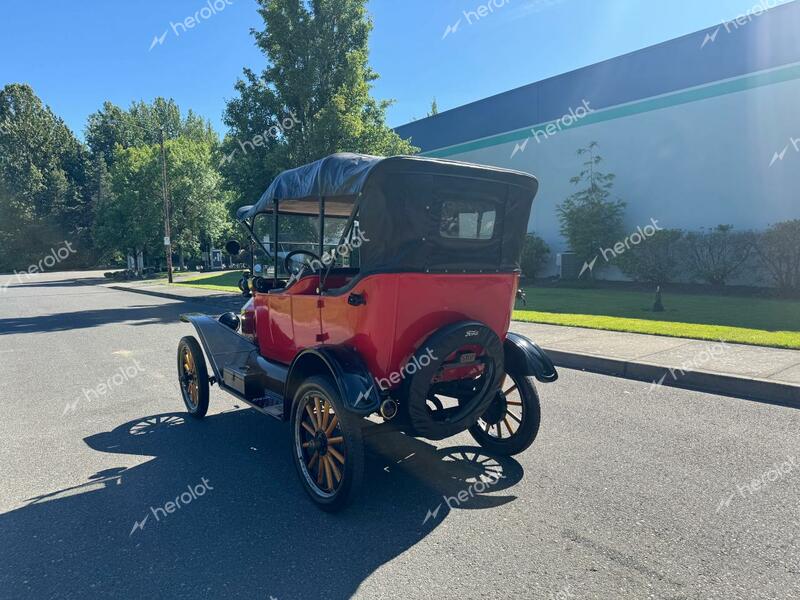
[167, 240]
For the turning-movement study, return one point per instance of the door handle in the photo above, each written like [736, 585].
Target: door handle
[356, 300]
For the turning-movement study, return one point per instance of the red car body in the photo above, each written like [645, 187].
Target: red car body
[412, 307]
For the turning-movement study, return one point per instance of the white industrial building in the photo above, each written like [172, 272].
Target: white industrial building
[700, 131]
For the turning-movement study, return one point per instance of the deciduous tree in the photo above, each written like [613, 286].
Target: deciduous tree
[590, 219]
[43, 177]
[312, 99]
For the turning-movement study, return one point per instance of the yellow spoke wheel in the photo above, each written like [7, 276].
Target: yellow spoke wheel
[328, 448]
[193, 376]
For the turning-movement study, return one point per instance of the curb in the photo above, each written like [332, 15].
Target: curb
[748, 388]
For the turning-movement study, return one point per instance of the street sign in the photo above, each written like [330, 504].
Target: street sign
[166, 241]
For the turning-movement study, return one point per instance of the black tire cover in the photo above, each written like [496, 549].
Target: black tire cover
[440, 345]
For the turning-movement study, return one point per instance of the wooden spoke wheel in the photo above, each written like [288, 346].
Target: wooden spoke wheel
[193, 377]
[511, 423]
[328, 448]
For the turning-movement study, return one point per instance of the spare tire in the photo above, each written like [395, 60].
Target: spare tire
[436, 349]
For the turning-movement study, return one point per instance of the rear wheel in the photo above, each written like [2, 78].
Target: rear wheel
[193, 376]
[328, 449]
[510, 424]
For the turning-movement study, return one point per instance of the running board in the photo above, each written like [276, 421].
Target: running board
[269, 404]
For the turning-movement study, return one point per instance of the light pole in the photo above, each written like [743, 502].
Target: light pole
[167, 240]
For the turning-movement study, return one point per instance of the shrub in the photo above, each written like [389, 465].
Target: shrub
[716, 255]
[534, 254]
[778, 250]
[656, 259]
[589, 220]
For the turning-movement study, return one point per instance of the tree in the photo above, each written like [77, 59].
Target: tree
[140, 125]
[778, 248]
[589, 220]
[434, 108]
[130, 218]
[101, 194]
[534, 254]
[312, 99]
[43, 178]
[199, 206]
[717, 255]
[656, 259]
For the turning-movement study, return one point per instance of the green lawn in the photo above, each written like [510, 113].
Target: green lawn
[226, 281]
[758, 321]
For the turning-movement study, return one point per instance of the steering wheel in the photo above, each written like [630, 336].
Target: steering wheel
[291, 265]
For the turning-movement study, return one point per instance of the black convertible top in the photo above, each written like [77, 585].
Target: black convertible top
[419, 214]
[346, 174]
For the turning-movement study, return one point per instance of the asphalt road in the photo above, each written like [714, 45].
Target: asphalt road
[627, 493]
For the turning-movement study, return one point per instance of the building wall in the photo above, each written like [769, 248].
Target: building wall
[690, 156]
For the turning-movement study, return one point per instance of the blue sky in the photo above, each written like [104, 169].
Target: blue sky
[77, 54]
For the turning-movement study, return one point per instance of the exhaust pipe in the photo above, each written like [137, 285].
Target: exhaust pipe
[388, 409]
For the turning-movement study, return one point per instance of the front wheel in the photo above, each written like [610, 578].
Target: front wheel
[193, 377]
[328, 449]
[510, 424]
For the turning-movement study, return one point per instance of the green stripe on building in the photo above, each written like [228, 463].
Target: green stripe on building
[714, 90]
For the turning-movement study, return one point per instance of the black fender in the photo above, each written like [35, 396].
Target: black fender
[524, 357]
[350, 374]
[223, 346]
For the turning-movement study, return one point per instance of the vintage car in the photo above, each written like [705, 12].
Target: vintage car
[395, 309]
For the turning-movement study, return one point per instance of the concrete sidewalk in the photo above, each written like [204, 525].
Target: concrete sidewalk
[752, 372]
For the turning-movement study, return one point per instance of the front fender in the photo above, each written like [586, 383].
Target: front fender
[355, 383]
[223, 346]
[526, 358]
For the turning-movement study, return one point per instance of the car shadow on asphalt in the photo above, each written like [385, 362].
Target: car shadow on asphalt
[241, 525]
[76, 282]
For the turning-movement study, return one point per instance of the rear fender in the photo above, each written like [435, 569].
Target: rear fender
[350, 374]
[524, 357]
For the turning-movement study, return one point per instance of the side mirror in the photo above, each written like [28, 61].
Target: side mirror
[233, 248]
